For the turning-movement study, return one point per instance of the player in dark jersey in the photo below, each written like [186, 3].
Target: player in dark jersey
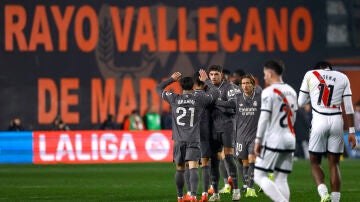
[205, 133]
[223, 131]
[186, 110]
[247, 116]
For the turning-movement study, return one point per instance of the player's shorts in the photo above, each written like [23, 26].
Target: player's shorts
[216, 146]
[222, 138]
[244, 148]
[205, 149]
[205, 141]
[186, 151]
[275, 160]
[326, 134]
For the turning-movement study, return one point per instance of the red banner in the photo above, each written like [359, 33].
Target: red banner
[102, 146]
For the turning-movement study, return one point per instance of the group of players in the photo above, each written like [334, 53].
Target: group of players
[214, 119]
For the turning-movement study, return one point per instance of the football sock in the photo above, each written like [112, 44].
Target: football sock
[229, 160]
[179, 181]
[246, 175]
[223, 171]
[194, 180]
[187, 177]
[322, 189]
[205, 178]
[250, 179]
[335, 196]
[241, 172]
[282, 183]
[215, 174]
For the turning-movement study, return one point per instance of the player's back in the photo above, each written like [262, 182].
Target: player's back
[280, 100]
[326, 89]
[186, 110]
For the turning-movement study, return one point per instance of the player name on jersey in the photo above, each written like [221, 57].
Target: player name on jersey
[186, 102]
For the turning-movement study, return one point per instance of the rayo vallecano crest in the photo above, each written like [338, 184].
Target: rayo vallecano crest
[144, 63]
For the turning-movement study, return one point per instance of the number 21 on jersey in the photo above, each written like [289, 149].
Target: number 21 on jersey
[182, 112]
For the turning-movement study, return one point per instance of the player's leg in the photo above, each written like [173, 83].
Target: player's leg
[193, 155]
[335, 148]
[242, 174]
[251, 161]
[179, 159]
[232, 170]
[262, 166]
[269, 187]
[194, 177]
[317, 147]
[242, 157]
[205, 170]
[205, 164]
[281, 182]
[228, 144]
[318, 175]
[215, 176]
[216, 147]
[335, 179]
[250, 179]
[187, 182]
[224, 174]
[230, 164]
[283, 168]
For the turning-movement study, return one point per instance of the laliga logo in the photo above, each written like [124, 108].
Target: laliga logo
[157, 146]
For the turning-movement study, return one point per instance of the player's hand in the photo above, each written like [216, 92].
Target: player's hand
[203, 75]
[176, 76]
[352, 140]
[257, 149]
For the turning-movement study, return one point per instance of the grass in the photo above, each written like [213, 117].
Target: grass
[140, 182]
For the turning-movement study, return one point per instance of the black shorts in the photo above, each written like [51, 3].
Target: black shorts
[205, 135]
[205, 149]
[186, 151]
[244, 148]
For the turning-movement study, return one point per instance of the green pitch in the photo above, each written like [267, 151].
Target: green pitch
[140, 182]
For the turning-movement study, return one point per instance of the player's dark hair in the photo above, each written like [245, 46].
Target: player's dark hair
[197, 79]
[226, 71]
[277, 66]
[249, 76]
[240, 72]
[218, 68]
[187, 83]
[323, 65]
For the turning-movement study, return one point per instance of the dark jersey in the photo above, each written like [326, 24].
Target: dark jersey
[247, 116]
[204, 120]
[224, 109]
[186, 110]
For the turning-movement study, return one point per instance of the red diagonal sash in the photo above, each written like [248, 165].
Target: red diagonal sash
[325, 95]
[287, 109]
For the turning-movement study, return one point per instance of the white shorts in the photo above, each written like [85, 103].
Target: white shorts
[271, 160]
[327, 134]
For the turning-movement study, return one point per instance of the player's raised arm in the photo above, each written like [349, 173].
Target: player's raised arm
[162, 85]
[214, 91]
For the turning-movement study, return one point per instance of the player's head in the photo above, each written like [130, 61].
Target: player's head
[186, 83]
[215, 74]
[323, 65]
[273, 71]
[248, 83]
[197, 81]
[226, 74]
[237, 76]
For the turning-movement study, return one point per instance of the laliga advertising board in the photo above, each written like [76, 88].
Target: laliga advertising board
[101, 146]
